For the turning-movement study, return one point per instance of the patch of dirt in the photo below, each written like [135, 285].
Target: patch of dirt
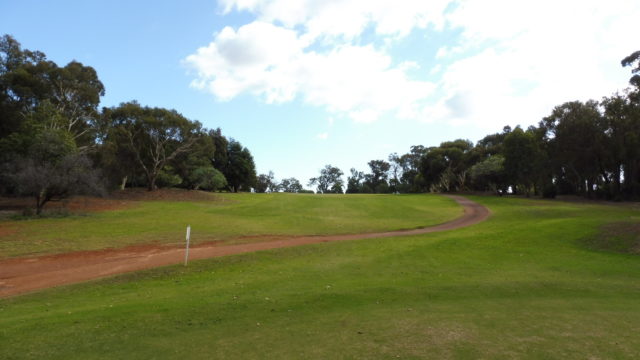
[23, 275]
[620, 237]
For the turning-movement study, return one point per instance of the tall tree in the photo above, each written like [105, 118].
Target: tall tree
[576, 134]
[377, 179]
[28, 82]
[291, 185]
[355, 182]
[266, 183]
[329, 181]
[630, 60]
[622, 116]
[240, 170]
[155, 136]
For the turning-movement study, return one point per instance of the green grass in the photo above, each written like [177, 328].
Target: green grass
[521, 285]
[225, 217]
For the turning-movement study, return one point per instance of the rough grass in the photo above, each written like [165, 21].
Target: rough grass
[622, 237]
[521, 285]
[224, 217]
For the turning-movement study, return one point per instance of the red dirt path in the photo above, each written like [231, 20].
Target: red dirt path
[23, 275]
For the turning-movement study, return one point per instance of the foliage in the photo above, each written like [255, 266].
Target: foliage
[130, 143]
[329, 181]
[239, 170]
[53, 170]
[155, 136]
[267, 183]
[629, 61]
[291, 185]
[489, 174]
[207, 178]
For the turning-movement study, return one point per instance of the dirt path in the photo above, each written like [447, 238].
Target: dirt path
[18, 276]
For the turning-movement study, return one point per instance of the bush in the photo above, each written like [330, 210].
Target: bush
[549, 192]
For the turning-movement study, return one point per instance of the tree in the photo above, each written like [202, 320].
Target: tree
[411, 179]
[28, 81]
[207, 178]
[199, 156]
[355, 182]
[576, 133]
[291, 185]
[155, 136]
[240, 170]
[489, 174]
[622, 117]
[629, 61]
[377, 179]
[221, 146]
[329, 181]
[521, 159]
[444, 168]
[266, 183]
[53, 170]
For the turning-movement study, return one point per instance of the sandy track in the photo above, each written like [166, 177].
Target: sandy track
[23, 275]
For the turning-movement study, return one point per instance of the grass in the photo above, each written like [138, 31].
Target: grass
[225, 217]
[521, 285]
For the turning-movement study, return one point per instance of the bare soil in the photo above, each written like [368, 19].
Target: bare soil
[23, 275]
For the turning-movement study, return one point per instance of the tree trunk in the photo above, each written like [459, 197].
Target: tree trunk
[41, 199]
[124, 183]
[616, 179]
[151, 182]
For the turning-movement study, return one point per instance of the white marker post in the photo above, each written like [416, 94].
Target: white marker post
[186, 252]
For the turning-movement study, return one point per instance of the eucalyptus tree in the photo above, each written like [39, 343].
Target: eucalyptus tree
[291, 185]
[154, 136]
[31, 84]
[576, 136]
[329, 181]
[240, 169]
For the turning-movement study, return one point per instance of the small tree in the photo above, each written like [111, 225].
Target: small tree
[53, 170]
[207, 178]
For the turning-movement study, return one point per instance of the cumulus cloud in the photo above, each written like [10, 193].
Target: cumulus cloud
[275, 63]
[530, 57]
[504, 58]
[346, 18]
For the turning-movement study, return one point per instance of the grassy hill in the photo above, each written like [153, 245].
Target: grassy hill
[223, 217]
[525, 284]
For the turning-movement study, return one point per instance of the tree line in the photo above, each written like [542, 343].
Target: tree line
[55, 141]
[587, 148]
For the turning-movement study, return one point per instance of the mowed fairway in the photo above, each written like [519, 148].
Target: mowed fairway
[225, 217]
[522, 284]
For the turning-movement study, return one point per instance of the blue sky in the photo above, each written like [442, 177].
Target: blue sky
[306, 83]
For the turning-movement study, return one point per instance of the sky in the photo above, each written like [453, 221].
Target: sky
[305, 83]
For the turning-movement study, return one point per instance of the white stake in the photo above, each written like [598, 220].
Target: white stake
[186, 252]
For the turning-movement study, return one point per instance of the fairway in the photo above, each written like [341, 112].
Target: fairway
[523, 284]
[226, 218]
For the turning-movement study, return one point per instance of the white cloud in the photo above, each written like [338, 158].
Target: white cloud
[346, 18]
[508, 61]
[323, 136]
[526, 57]
[275, 64]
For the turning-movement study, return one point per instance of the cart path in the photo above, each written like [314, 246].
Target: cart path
[23, 275]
